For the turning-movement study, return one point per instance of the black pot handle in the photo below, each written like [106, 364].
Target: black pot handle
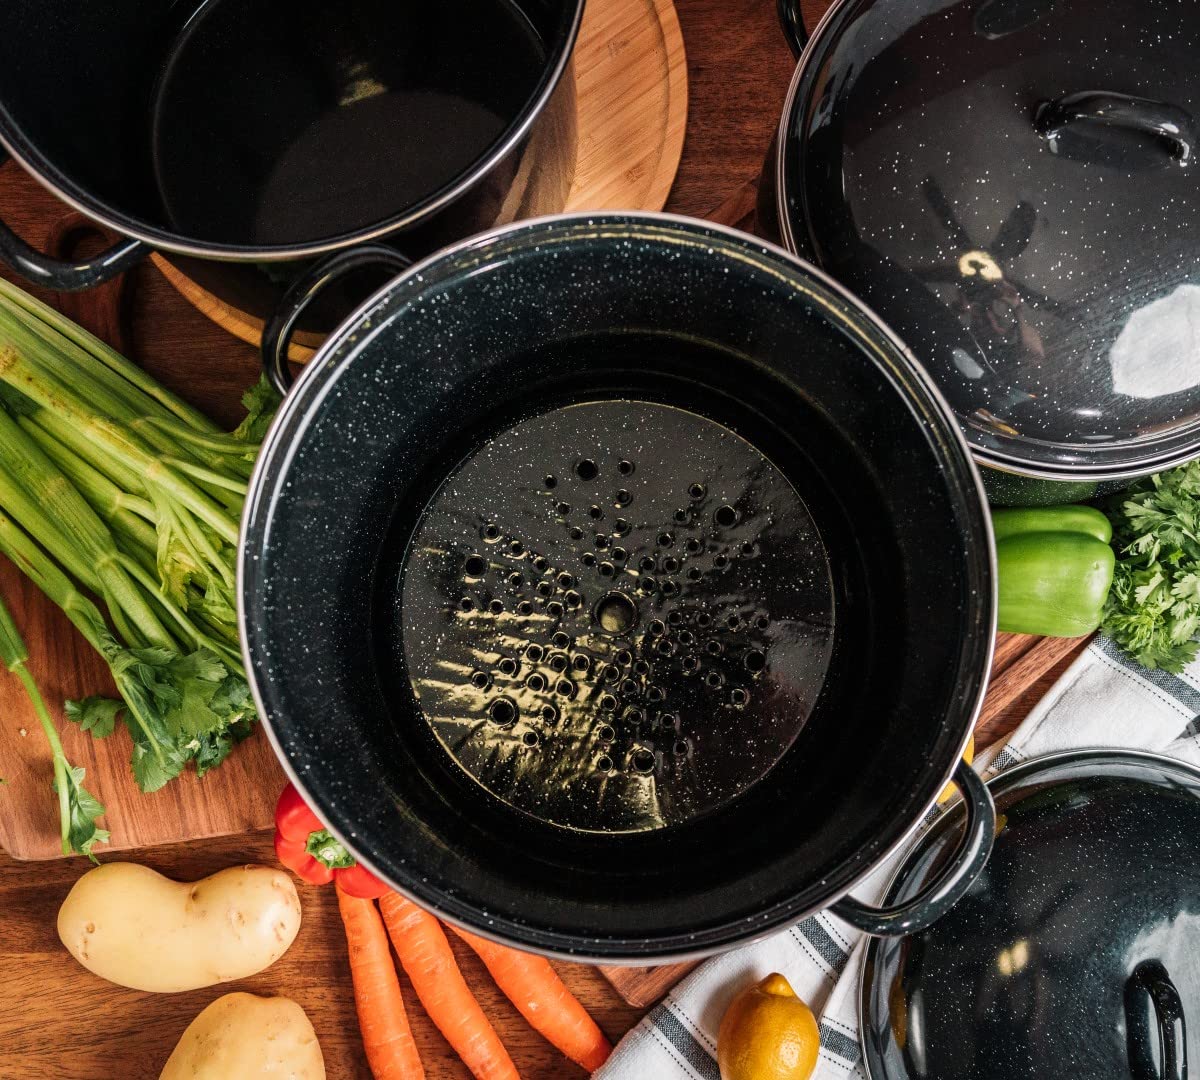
[277, 334]
[59, 274]
[792, 21]
[950, 885]
[1150, 980]
[1173, 126]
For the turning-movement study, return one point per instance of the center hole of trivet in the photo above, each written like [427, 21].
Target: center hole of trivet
[616, 613]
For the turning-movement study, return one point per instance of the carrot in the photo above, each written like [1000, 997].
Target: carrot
[532, 985]
[427, 958]
[386, 1036]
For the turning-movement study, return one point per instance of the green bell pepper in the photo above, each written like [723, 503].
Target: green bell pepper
[1055, 567]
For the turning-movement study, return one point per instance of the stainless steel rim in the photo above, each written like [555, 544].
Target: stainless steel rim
[1017, 772]
[164, 241]
[771, 922]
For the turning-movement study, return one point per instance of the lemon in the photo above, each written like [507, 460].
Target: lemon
[768, 1033]
[968, 756]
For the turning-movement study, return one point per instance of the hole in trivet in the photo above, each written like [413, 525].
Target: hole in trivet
[725, 516]
[502, 712]
[586, 469]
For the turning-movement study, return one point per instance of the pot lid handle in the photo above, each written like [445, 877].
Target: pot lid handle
[1173, 126]
[950, 884]
[1151, 981]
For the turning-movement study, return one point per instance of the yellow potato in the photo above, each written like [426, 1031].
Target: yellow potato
[134, 927]
[242, 1036]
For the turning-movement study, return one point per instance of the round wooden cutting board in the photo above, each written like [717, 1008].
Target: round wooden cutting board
[631, 90]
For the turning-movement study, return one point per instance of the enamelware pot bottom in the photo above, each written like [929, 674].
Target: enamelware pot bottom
[617, 587]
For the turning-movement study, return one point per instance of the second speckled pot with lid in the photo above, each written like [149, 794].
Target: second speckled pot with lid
[1011, 185]
[1074, 954]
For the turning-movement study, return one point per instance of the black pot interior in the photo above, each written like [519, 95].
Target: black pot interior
[627, 310]
[263, 124]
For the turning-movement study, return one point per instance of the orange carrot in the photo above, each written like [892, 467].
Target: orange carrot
[532, 985]
[386, 1036]
[427, 958]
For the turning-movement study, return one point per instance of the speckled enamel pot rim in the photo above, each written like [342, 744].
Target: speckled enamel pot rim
[616, 225]
[799, 91]
[999, 783]
[50, 177]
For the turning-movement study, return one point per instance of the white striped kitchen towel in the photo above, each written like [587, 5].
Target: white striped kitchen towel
[1104, 699]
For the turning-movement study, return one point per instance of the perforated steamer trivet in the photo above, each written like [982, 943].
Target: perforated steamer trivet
[616, 615]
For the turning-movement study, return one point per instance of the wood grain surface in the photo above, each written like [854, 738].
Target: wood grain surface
[58, 1021]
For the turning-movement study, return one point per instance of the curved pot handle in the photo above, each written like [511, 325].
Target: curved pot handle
[277, 333]
[62, 275]
[950, 885]
[1150, 980]
[792, 20]
[1173, 126]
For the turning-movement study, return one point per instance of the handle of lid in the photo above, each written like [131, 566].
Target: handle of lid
[277, 334]
[1150, 980]
[792, 21]
[1171, 125]
[63, 275]
[950, 885]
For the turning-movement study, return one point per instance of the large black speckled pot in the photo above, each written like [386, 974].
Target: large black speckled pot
[1073, 954]
[1011, 185]
[657, 309]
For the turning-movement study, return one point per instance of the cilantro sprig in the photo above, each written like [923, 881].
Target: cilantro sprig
[1153, 609]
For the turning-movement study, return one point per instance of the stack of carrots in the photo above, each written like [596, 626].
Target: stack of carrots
[424, 952]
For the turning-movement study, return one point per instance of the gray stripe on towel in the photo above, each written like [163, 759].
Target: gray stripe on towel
[819, 938]
[1186, 694]
[685, 1042]
[841, 1045]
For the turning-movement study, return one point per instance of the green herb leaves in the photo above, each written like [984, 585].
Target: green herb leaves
[95, 714]
[78, 809]
[1153, 610]
[83, 809]
[121, 502]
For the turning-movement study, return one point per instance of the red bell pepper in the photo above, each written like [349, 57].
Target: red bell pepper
[314, 854]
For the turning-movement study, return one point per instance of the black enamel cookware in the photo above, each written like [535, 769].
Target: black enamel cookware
[241, 138]
[618, 587]
[1011, 185]
[1074, 954]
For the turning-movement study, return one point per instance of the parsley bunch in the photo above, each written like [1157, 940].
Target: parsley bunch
[1153, 610]
[122, 503]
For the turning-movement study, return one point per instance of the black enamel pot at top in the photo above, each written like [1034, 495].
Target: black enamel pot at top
[1011, 185]
[471, 449]
[240, 136]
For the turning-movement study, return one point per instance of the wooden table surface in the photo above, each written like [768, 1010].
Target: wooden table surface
[72, 1026]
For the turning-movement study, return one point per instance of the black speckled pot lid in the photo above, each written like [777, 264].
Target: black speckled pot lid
[982, 173]
[1088, 908]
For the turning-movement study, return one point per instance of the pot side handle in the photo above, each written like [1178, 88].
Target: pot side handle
[950, 884]
[792, 21]
[63, 275]
[277, 333]
[1150, 980]
[1172, 126]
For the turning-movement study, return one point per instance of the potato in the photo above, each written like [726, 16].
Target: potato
[242, 1036]
[134, 927]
